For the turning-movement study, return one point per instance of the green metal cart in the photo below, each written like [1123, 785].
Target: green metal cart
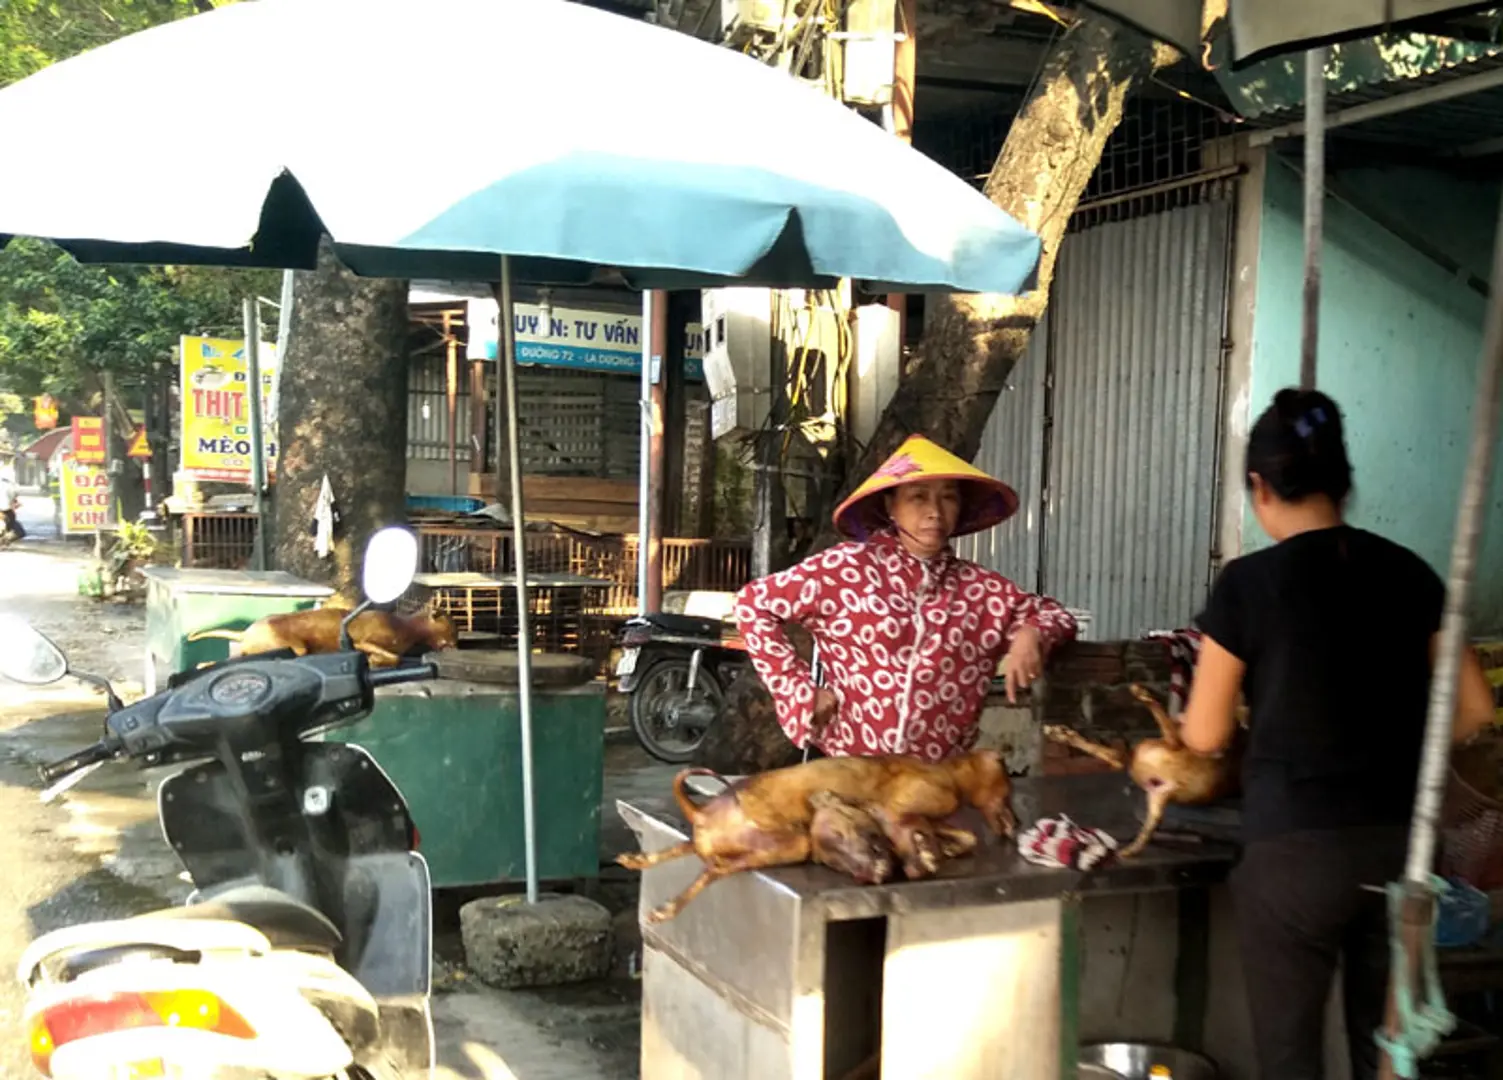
[454, 748]
[183, 602]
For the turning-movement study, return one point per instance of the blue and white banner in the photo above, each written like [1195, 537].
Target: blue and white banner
[577, 338]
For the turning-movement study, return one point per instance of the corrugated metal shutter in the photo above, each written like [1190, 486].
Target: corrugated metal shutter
[427, 387]
[1012, 449]
[1137, 327]
[578, 423]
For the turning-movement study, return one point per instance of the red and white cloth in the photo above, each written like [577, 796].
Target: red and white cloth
[1060, 844]
[908, 646]
[1184, 651]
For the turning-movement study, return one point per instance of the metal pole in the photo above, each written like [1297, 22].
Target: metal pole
[655, 334]
[644, 469]
[451, 387]
[1315, 194]
[253, 410]
[1470, 517]
[507, 366]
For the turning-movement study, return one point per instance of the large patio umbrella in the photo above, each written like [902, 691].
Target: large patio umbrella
[1263, 28]
[596, 149]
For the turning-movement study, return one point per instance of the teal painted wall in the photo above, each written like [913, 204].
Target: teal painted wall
[1399, 345]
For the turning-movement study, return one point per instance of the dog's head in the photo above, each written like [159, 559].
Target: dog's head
[982, 779]
[440, 630]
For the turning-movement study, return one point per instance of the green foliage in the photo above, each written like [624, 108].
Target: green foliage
[61, 323]
[35, 33]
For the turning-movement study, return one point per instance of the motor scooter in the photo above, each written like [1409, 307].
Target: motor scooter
[675, 670]
[305, 950]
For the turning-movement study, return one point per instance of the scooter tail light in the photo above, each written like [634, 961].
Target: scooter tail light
[417, 838]
[84, 1018]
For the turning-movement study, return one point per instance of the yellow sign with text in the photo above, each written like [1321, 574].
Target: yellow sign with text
[216, 412]
[86, 496]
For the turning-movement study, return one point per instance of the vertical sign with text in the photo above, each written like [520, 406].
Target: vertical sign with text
[216, 411]
[85, 491]
[88, 440]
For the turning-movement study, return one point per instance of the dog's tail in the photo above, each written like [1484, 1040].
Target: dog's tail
[686, 805]
[225, 635]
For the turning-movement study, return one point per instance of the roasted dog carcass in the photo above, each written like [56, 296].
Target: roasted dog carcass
[1165, 768]
[766, 820]
[384, 636]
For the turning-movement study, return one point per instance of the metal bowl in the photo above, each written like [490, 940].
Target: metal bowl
[1133, 1061]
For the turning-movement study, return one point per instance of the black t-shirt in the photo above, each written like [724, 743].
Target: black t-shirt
[1334, 626]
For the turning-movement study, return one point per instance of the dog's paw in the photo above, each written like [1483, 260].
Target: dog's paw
[635, 860]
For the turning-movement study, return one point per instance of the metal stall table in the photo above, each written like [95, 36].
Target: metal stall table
[183, 602]
[798, 973]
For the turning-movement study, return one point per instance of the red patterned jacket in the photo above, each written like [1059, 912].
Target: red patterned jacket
[909, 647]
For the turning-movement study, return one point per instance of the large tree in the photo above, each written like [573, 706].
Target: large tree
[971, 343]
[342, 414]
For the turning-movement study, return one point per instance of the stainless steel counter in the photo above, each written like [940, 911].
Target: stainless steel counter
[800, 973]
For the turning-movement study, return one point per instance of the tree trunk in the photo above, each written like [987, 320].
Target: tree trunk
[343, 414]
[971, 343]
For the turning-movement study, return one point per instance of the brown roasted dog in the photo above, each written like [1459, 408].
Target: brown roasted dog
[764, 820]
[384, 636]
[1166, 769]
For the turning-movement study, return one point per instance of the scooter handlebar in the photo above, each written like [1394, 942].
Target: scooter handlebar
[416, 673]
[103, 750]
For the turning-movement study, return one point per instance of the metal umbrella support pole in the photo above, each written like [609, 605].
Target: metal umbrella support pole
[258, 451]
[1418, 903]
[1315, 196]
[644, 471]
[507, 370]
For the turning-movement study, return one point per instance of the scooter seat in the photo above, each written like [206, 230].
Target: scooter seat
[286, 922]
[687, 625]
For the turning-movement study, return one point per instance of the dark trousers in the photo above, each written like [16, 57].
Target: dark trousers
[12, 524]
[1300, 909]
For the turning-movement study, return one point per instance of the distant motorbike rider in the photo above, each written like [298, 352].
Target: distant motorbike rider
[10, 502]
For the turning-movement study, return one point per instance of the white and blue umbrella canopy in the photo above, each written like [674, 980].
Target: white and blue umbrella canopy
[429, 137]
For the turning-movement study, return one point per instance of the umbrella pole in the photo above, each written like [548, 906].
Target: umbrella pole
[1315, 195]
[508, 368]
[644, 469]
[258, 451]
[1418, 904]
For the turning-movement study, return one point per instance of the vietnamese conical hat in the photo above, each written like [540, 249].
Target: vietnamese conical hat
[985, 501]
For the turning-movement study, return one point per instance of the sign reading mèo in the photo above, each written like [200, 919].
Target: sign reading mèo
[216, 409]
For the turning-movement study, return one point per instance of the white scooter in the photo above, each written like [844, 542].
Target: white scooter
[305, 952]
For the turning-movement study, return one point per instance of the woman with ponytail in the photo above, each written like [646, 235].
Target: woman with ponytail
[1330, 634]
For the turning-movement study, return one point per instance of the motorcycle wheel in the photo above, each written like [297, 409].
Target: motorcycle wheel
[661, 688]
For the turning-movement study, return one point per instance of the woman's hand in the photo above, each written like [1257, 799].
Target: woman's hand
[826, 705]
[1025, 661]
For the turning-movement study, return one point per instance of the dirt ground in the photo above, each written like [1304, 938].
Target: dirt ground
[97, 853]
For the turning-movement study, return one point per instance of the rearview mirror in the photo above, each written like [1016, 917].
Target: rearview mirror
[390, 563]
[26, 656]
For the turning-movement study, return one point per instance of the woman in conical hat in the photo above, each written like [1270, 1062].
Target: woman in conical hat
[909, 635]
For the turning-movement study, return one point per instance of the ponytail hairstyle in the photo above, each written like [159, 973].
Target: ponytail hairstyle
[1298, 447]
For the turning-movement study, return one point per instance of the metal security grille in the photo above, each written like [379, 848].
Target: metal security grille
[573, 423]
[579, 424]
[1156, 142]
[428, 411]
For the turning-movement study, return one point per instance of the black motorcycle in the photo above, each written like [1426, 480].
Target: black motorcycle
[675, 670]
[307, 843]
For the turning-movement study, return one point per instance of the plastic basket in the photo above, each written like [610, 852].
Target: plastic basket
[1471, 832]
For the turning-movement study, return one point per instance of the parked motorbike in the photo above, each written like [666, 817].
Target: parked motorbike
[305, 950]
[675, 670]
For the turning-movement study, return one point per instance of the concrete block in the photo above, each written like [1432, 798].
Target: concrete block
[510, 943]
